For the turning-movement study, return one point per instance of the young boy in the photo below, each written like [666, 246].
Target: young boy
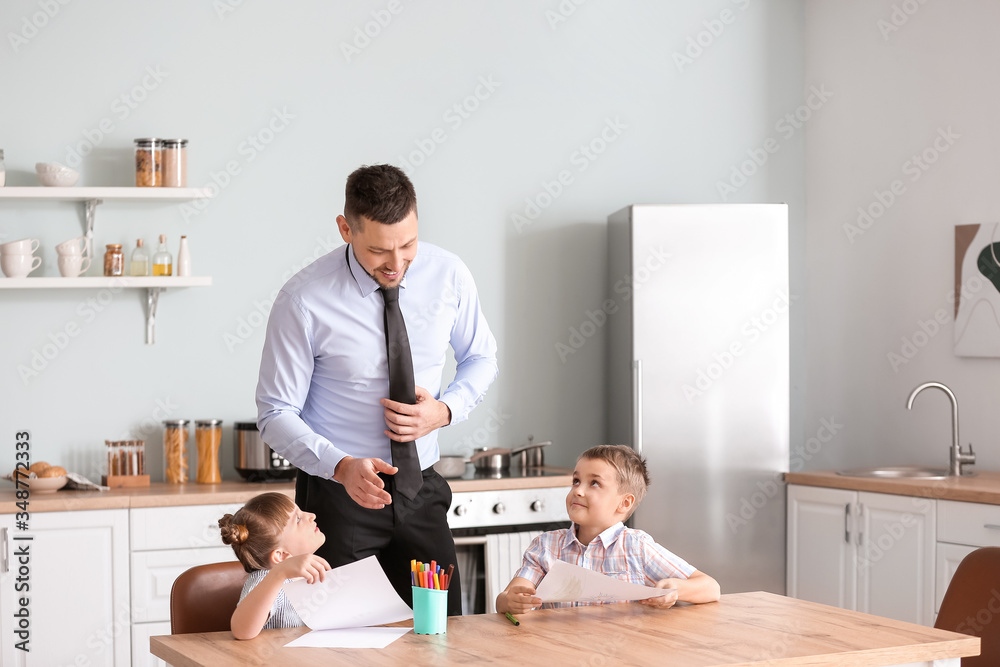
[608, 483]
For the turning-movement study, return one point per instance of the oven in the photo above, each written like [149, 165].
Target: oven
[494, 521]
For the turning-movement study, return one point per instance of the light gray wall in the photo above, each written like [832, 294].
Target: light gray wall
[684, 127]
[902, 73]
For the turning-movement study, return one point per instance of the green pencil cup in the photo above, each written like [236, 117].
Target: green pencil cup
[430, 611]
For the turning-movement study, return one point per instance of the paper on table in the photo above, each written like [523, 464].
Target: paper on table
[571, 583]
[351, 596]
[350, 638]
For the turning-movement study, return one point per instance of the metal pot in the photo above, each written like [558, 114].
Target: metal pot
[451, 466]
[255, 461]
[531, 455]
[491, 459]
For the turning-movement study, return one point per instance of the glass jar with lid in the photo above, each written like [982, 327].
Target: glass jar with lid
[148, 162]
[175, 163]
[114, 260]
[175, 438]
[207, 438]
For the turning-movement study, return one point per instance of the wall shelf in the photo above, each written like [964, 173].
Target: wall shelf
[90, 197]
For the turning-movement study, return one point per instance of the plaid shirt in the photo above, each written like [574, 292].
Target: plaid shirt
[619, 552]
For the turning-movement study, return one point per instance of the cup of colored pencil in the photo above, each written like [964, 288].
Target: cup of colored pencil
[430, 597]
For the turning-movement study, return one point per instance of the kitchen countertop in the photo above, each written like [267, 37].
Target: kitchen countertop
[983, 487]
[742, 629]
[171, 495]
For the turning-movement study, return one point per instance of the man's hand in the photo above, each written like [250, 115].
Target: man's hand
[409, 422]
[361, 481]
[665, 601]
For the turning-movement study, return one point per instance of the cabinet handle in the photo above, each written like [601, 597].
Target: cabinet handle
[847, 516]
[4, 562]
[861, 513]
[991, 525]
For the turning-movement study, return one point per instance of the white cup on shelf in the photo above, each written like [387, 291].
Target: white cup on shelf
[18, 266]
[71, 266]
[75, 246]
[20, 247]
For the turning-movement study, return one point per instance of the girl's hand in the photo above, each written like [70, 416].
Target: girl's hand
[308, 566]
[664, 601]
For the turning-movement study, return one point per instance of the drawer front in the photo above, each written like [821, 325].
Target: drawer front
[153, 575]
[187, 527]
[974, 524]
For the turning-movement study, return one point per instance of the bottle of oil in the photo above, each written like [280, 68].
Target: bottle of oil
[140, 260]
[163, 261]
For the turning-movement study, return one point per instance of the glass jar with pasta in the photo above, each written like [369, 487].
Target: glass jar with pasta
[208, 437]
[175, 437]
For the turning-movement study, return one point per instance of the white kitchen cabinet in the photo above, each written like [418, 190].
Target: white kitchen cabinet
[165, 542]
[962, 528]
[78, 578]
[869, 552]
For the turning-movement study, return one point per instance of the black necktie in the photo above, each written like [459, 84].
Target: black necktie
[401, 389]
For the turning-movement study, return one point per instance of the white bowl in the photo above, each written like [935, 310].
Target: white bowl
[46, 484]
[56, 175]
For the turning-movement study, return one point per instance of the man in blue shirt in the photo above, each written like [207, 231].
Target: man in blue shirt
[322, 394]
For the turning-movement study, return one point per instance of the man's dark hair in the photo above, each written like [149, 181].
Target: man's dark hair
[379, 192]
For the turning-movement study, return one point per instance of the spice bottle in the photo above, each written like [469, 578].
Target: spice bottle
[163, 261]
[148, 162]
[208, 437]
[114, 260]
[175, 437]
[175, 163]
[139, 265]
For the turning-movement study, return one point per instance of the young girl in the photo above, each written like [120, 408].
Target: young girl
[275, 541]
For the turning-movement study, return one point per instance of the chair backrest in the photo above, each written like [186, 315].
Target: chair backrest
[971, 604]
[204, 598]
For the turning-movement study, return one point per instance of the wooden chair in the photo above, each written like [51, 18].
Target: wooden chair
[204, 598]
[971, 605]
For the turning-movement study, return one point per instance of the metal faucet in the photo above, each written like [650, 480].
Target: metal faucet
[958, 458]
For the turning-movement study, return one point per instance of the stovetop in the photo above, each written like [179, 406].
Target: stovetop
[471, 473]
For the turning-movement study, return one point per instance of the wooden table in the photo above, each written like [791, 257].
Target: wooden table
[741, 629]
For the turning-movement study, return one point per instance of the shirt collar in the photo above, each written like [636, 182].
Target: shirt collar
[607, 537]
[366, 284]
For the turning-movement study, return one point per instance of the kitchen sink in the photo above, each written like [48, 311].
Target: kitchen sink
[897, 472]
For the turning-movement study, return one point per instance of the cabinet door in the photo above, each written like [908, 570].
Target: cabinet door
[948, 558]
[821, 552]
[895, 559]
[78, 577]
[154, 573]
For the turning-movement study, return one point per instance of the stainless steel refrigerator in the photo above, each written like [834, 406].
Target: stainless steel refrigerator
[698, 366]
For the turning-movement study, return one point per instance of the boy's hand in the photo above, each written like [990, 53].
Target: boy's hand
[664, 601]
[521, 599]
[309, 566]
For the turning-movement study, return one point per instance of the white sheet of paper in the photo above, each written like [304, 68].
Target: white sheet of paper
[350, 638]
[351, 596]
[571, 583]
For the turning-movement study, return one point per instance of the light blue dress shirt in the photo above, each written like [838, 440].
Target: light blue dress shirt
[323, 370]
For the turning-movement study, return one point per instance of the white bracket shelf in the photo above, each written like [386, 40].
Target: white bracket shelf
[153, 286]
[90, 197]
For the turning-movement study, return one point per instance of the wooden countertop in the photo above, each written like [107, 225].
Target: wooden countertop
[983, 487]
[742, 629]
[171, 495]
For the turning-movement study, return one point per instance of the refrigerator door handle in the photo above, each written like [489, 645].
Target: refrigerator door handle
[637, 406]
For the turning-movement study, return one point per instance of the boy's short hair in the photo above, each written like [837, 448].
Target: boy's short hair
[380, 192]
[629, 466]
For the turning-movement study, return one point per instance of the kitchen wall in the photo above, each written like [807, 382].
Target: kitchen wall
[484, 105]
[909, 137]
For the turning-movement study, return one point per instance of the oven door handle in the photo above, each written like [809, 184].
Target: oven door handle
[472, 539]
